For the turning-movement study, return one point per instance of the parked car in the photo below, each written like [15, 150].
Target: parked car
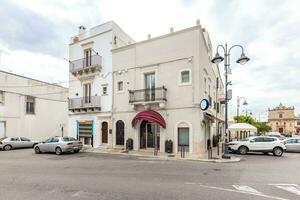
[9, 143]
[292, 144]
[264, 144]
[276, 134]
[59, 145]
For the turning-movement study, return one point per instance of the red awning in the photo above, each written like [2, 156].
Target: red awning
[151, 116]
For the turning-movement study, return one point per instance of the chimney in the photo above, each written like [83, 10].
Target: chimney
[171, 30]
[198, 22]
[81, 29]
[149, 36]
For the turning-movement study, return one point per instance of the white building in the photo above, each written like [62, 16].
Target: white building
[158, 86]
[31, 108]
[90, 86]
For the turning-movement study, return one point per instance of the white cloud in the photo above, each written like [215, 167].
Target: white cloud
[267, 29]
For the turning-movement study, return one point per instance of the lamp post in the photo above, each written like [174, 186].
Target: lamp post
[238, 107]
[218, 59]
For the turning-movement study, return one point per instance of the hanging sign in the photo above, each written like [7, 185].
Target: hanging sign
[204, 104]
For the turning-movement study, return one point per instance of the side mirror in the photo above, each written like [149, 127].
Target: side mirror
[252, 141]
[43, 142]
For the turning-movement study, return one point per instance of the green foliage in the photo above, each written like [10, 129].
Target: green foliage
[262, 127]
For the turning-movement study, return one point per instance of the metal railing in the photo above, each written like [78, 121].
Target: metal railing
[85, 102]
[90, 61]
[146, 95]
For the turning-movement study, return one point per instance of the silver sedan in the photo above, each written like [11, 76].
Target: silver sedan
[292, 144]
[59, 145]
[8, 143]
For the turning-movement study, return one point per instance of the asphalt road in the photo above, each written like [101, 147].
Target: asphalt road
[26, 176]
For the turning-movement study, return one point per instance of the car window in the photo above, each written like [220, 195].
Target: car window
[25, 139]
[259, 139]
[266, 139]
[54, 140]
[48, 140]
[291, 141]
[15, 139]
[67, 139]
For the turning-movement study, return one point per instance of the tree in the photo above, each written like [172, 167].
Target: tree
[262, 127]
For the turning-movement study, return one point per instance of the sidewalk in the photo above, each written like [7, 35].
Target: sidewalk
[164, 156]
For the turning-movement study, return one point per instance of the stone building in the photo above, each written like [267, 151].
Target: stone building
[282, 119]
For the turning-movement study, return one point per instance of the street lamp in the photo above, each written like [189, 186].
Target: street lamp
[238, 107]
[216, 60]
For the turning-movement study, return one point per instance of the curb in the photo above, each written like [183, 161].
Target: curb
[232, 160]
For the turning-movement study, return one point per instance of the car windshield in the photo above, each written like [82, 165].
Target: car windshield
[1, 139]
[67, 139]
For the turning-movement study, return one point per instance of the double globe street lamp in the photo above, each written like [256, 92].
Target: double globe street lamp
[216, 60]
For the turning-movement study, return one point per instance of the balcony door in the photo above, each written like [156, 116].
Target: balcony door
[150, 86]
[87, 58]
[87, 93]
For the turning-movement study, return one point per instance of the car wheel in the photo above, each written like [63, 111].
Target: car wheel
[37, 150]
[277, 151]
[7, 147]
[243, 150]
[58, 151]
[76, 151]
[34, 145]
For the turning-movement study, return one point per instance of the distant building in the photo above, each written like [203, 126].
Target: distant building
[282, 119]
[31, 108]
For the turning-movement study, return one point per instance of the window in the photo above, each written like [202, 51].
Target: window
[185, 77]
[30, 104]
[104, 90]
[183, 136]
[15, 139]
[269, 139]
[2, 97]
[54, 140]
[87, 91]
[87, 57]
[120, 86]
[280, 115]
[25, 139]
[259, 139]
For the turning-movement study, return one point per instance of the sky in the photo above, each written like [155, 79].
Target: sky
[34, 38]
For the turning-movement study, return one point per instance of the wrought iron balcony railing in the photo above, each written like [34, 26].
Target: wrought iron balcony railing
[89, 102]
[84, 63]
[148, 95]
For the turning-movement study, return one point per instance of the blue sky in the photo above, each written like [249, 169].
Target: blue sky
[35, 34]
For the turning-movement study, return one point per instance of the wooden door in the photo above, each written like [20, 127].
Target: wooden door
[104, 132]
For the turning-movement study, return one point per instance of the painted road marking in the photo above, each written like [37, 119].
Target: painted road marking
[237, 191]
[293, 188]
[246, 188]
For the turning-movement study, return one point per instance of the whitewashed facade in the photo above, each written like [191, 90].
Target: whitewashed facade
[31, 108]
[167, 75]
[90, 82]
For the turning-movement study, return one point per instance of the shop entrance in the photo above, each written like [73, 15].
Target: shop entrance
[149, 135]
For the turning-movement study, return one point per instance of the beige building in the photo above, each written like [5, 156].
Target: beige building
[31, 108]
[158, 86]
[282, 119]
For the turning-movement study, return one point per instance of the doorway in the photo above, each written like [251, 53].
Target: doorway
[104, 130]
[120, 132]
[148, 131]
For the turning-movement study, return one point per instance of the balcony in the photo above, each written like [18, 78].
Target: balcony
[86, 67]
[85, 104]
[148, 96]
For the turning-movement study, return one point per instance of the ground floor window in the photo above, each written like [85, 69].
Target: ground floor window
[183, 138]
